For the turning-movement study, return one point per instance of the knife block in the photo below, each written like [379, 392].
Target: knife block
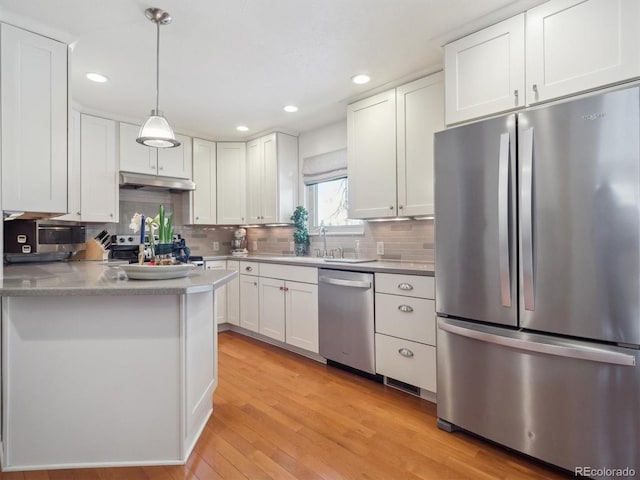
[93, 251]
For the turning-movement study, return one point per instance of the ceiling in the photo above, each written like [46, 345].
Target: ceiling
[225, 63]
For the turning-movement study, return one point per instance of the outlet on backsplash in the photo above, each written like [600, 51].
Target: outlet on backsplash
[216, 246]
[380, 248]
[292, 246]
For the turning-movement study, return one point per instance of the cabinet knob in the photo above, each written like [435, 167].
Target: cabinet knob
[399, 207]
[249, 269]
[405, 286]
[153, 167]
[197, 218]
[161, 168]
[111, 215]
[77, 213]
[391, 207]
[405, 352]
[515, 93]
[255, 284]
[405, 308]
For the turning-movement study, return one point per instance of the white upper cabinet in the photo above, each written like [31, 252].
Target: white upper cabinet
[166, 162]
[98, 170]
[565, 47]
[73, 170]
[485, 71]
[390, 150]
[573, 46]
[272, 178]
[34, 104]
[204, 175]
[231, 182]
[420, 113]
[176, 161]
[371, 150]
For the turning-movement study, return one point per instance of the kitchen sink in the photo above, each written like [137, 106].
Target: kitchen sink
[350, 260]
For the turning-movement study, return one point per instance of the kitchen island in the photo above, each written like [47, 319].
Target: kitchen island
[100, 370]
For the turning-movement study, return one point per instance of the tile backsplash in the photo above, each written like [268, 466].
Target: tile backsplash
[409, 240]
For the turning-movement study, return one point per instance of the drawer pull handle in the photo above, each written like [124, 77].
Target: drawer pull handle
[248, 269]
[405, 308]
[405, 286]
[405, 352]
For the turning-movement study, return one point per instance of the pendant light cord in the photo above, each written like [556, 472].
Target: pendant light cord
[157, 66]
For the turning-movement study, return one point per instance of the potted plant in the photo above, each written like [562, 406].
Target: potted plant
[301, 234]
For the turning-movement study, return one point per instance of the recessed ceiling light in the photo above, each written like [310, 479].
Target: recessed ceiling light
[361, 79]
[97, 77]
[290, 108]
[242, 128]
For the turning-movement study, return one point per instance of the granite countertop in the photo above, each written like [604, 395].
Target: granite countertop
[382, 266]
[97, 278]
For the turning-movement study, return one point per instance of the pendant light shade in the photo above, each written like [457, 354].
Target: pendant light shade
[156, 131]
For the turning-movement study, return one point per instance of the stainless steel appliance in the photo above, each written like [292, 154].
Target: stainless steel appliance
[39, 241]
[345, 318]
[538, 281]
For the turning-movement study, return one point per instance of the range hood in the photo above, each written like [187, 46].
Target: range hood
[153, 182]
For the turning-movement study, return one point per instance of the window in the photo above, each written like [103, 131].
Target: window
[327, 203]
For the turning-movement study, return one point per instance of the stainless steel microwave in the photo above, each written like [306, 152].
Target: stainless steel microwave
[36, 236]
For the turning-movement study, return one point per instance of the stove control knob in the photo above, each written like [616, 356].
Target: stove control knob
[130, 239]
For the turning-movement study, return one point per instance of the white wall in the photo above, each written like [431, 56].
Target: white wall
[321, 140]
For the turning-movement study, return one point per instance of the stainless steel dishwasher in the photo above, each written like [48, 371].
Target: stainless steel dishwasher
[346, 318]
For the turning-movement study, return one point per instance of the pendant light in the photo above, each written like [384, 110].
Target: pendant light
[156, 131]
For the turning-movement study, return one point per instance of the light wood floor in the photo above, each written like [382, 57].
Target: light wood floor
[281, 416]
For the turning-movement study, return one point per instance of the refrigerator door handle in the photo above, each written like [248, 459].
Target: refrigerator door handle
[527, 219]
[579, 352]
[503, 219]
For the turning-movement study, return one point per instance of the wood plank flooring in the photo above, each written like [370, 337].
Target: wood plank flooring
[280, 416]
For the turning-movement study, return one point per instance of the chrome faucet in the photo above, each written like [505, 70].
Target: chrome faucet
[323, 232]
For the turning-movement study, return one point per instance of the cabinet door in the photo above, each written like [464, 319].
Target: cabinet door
[485, 71]
[249, 303]
[574, 46]
[99, 172]
[270, 191]
[34, 102]
[204, 176]
[302, 315]
[176, 162]
[231, 180]
[254, 181]
[233, 294]
[371, 131]
[73, 165]
[221, 292]
[272, 323]
[135, 157]
[420, 113]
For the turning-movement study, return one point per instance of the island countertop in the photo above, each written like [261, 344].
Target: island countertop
[93, 278]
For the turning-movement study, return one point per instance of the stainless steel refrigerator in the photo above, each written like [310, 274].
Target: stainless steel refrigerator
[538, 281]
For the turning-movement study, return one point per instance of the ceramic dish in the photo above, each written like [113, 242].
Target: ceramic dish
[157, 272]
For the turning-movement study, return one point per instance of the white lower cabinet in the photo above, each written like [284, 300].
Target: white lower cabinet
[249, 296]
[301, 315]
[220, 306]
[233, 294]
[410, 362]
[406, 329]
[272, 309]
[287, 302]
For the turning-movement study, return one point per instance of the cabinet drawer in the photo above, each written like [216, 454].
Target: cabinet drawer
[407, 285]
[289, 272]
[249, 268]
[407, 361]
[405, 317]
